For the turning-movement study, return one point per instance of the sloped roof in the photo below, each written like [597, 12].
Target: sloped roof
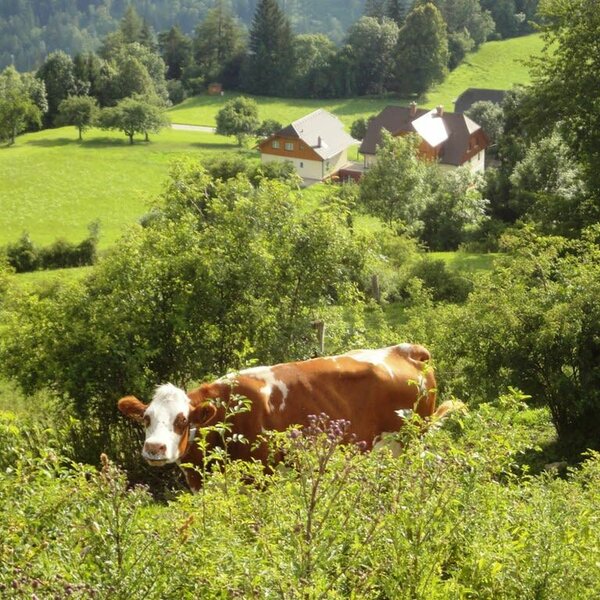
[396, 119]
[472, 95]
[321, 131]
[450, 131]
[431, 128]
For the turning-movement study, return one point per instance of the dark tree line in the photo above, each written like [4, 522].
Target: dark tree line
[293, 47]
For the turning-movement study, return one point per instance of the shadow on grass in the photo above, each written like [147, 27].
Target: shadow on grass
[52, 143]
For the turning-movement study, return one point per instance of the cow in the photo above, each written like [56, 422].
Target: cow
[372, 389]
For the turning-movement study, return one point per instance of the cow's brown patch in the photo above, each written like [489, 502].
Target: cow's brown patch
[180, 424]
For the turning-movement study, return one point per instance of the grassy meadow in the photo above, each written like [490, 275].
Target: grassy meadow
[495, 65]
[53, 186]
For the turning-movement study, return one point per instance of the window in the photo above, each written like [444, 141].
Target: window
[301, 165]
[275, 144]
[289, 145]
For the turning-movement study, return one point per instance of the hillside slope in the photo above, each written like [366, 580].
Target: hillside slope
[496, 65]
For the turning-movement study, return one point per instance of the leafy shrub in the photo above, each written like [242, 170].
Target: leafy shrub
[25, 256]
[215, 282]
[452, 516]
[533, 324]
[444, 284]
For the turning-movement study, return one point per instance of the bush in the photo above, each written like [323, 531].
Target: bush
[533, 323]
[176, 90]
[452, 516]
[444, 284]
[25, 256]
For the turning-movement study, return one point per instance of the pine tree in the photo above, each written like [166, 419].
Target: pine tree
[422, 50]
[375, 9]
[271, 57]
[397, 10]
[131, 26]
[218, 40]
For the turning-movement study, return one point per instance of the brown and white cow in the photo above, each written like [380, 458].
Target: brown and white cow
[365, 387]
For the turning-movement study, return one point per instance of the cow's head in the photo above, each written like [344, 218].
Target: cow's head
[167, 420]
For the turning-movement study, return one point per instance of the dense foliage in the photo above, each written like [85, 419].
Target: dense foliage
[24, 255]
[455, 514]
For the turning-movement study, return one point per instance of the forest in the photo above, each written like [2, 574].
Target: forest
[31, 29]
[230, 267]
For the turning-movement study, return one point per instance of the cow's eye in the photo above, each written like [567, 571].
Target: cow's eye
[146, 421]
[180, 423]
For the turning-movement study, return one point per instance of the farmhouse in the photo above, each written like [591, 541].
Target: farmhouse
[316, 144]
[452, 139]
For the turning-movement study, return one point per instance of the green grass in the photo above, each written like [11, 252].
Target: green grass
[41, 280]
[202, 110]
[495, 65]
[468, 262]
[53, 186]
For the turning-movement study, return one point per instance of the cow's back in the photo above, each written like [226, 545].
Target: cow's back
[365, 387]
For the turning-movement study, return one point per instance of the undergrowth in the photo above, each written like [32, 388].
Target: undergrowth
[455, 515]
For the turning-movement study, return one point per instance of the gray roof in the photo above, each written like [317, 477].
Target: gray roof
[320, 130]
[450, 131]
[472, 95]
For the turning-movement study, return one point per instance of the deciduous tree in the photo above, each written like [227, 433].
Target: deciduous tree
[80, 111]
[134, 115]
[395, 187]
[239, 117]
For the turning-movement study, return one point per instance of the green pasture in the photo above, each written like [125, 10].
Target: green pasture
[495, 65]
[468, 262]
[53, 186]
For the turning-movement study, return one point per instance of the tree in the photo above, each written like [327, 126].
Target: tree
[566, 79]
[250, 270]
[532, 324]
[549, 188]
[491, 118]
[218, 41]
[271, 58]
[140, 71]
[397, 10]
[58, 74]
[17, 109]
[80, 111]
[373, 43]
[395, 187]
[176, 51]
[358, 130]
[268, 127]
[134, 115]
[314, 53]
[456, 210]
[422, 50]
[239, 117]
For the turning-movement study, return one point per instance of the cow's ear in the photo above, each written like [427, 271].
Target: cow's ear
[202, 414]
[131, 407]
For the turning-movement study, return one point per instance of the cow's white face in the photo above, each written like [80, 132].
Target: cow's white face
[166, 422]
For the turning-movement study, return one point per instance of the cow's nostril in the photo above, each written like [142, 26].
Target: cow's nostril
[156, 449]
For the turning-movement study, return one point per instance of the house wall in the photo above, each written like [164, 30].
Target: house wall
[477, 162]
[307, 169]
[299, 149]
[310, 169]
